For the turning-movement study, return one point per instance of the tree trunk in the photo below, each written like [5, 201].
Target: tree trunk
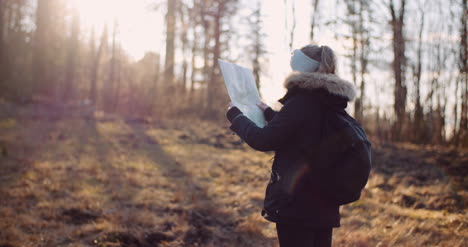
[2, 43]
[193, 63]
[314, 19]
[399, 64]
[293, 25]
[257, 44]
[73, 45]
[212, 83]
[184, 41]
[418, 124]
[364, 45]
[170, 42]
[206, 51]
[40, 79]
[463, 65]
[110, 87]
[118, 75]
[96, 58]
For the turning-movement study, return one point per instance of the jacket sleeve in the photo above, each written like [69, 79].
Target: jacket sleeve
[277, 132]
[269, 114]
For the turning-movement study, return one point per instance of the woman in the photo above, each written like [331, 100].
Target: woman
[293, 199]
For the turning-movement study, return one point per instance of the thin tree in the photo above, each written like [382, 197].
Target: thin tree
[207, 37]
[399, 66]
[358, 17]
[194, 16]
[292, 29]
[463, 68]
[418, 117]
[315, 16]
[2, 43]
[183, 17]
[364, 40]
[96, 61]
[217, 16]
[222, 11]
[170, 41]
[294, 23]
[40, 78]
[109, 93]
[72, 50]
[257, 38]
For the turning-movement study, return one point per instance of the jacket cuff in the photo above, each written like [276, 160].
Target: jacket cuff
[232, 113]
[268, 113]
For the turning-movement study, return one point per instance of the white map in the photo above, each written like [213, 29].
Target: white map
[240, 84]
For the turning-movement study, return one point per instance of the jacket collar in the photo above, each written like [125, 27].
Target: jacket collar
[330, 82]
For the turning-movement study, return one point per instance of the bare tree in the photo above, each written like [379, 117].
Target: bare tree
[222, 11]
[194, 49]
[257, 37]
[110, 86]
[72, 50]
[96, 61]
[463, 68]
[170, 41]
[217, 15]
[364, 39]
[315, 16]
[399, 66]
[184, 23]
[294, 23]
[40, 78]
[292, 29]
[418, 117]
[2, 43]
[358, 17]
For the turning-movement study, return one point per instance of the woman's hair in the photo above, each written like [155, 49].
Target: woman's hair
[324, 55]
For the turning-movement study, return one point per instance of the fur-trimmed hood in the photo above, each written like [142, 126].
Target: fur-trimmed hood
[330, 82]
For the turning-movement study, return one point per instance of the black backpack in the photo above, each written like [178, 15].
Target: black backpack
[343, 159]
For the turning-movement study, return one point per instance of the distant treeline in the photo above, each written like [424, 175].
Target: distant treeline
[46, 55]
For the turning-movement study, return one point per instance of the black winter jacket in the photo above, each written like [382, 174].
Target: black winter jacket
[293, 194]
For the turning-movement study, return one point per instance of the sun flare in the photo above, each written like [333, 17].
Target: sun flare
[134, 19]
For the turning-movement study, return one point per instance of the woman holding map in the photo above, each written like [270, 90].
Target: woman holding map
[297, 197]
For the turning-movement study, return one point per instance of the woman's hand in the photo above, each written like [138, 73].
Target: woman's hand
[262, 106]
[232, 112]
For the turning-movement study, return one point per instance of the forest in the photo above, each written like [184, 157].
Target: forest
[105, 142]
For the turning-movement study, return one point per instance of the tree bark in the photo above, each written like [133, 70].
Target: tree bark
[418, 117]
[2, 42]
[40, 79]
[170, 41]
[463, 65]
[216, 54]
[96, 58]
[399, 64]
[314, 19]
[110, 88]
[73, 45]
[257, 44]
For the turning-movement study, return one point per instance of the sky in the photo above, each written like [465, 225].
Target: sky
[140, 26]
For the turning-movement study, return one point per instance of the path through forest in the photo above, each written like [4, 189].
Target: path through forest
[110, 181]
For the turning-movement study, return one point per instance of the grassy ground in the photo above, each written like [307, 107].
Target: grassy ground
[68, 181]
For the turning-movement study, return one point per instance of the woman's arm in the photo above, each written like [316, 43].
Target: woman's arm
[277, 132]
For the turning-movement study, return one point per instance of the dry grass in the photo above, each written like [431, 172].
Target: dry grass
[75, 182]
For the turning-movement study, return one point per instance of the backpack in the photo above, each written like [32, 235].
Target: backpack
[343, 158]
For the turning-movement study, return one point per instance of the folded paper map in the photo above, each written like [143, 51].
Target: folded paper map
[240, 84]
